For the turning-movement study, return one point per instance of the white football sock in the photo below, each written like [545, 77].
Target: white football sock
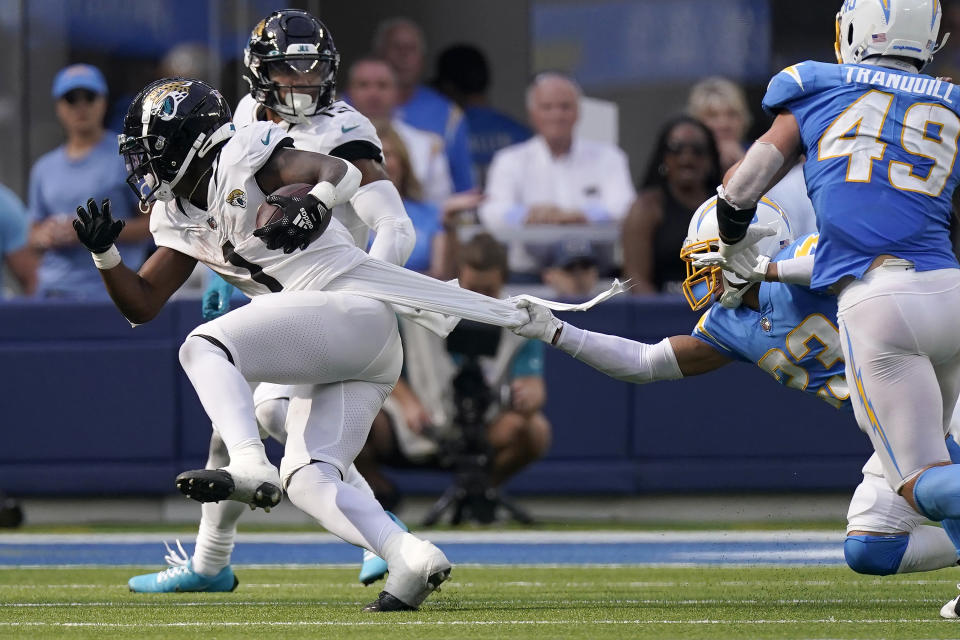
[225, 396]
[340, 508]
[218, 529]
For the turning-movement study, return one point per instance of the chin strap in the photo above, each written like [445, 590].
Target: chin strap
[201, 147]
[732, 295]
[225, 132]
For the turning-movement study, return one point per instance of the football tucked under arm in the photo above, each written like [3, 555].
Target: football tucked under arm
[295, 215]
[267, 213]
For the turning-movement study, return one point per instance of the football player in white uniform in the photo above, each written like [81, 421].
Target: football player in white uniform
[205, 179]
[278, 83]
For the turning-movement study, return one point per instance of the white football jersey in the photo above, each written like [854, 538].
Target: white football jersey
[222, 236]
[335, 126]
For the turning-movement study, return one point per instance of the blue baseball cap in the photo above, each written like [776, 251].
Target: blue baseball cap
[79, 76]
[571, 251]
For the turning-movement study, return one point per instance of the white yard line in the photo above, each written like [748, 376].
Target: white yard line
[452, 537]
[432, 623]
[487, 601]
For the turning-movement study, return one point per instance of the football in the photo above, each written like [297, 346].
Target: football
[267, 213]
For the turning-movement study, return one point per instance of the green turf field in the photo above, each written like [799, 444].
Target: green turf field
[489, 602]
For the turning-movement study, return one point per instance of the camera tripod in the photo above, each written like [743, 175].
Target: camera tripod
[470, 496]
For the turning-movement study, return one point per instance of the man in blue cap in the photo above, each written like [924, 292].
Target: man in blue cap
[61, 180]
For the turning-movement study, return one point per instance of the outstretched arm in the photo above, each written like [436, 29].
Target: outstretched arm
[637, 362]
[620, 358]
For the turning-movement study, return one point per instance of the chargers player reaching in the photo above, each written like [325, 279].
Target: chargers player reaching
[290, 64]
[788, 331]
[881, 142]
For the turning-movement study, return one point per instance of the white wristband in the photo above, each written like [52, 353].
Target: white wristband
[108, 259]
[324, 192]
[332, 195]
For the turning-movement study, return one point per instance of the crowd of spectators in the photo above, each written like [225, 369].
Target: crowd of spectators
[567, 207]
[494, 201]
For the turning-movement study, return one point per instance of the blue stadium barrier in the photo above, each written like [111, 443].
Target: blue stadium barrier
[93, 407]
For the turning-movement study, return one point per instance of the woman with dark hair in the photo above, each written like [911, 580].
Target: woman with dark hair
[435, 252]
[683, 171]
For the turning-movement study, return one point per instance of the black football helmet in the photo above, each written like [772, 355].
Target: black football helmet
[170, 123]
[293, 51]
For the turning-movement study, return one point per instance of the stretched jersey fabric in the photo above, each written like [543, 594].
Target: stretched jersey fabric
[339, 130]
[793, 337]
[222, 236]
[881, 147]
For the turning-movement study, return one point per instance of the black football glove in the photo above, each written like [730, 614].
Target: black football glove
[96, 228]
[304, 219]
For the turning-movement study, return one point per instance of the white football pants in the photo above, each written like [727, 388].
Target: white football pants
[900, 335]
[341, 355]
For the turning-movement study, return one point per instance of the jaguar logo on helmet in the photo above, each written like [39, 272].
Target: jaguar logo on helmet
[165, 99]
[237, 198]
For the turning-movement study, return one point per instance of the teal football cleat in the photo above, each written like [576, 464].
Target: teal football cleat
[181, 577]
[374, 567]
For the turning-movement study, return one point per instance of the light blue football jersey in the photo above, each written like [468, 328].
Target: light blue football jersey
[881, 149]
[793, 337]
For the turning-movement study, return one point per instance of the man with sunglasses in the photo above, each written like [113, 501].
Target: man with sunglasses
[63, 177]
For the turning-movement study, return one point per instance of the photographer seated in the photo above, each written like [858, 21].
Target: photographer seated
[418, 424]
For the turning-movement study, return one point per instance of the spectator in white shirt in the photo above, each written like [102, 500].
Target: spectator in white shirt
[556, 178]
[372, 90]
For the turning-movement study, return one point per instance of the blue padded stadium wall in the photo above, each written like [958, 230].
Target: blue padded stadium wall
[94, 407]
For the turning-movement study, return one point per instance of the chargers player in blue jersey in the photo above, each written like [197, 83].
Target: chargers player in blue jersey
[788, 331]
[881, 142]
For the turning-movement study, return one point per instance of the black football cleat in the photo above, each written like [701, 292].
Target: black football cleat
[386, 602]
[214, 485]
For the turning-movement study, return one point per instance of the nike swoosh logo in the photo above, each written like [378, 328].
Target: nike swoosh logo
[266, 138]
[348, 129]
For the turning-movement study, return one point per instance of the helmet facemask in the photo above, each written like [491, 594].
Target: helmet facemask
[701, 283]
[291, 63]
[142, 174]
[299, 84]
[704, 284]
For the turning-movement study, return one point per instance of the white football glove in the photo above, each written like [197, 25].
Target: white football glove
[741, 258]
[542, 324]
[746, 264]
[755, 233]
